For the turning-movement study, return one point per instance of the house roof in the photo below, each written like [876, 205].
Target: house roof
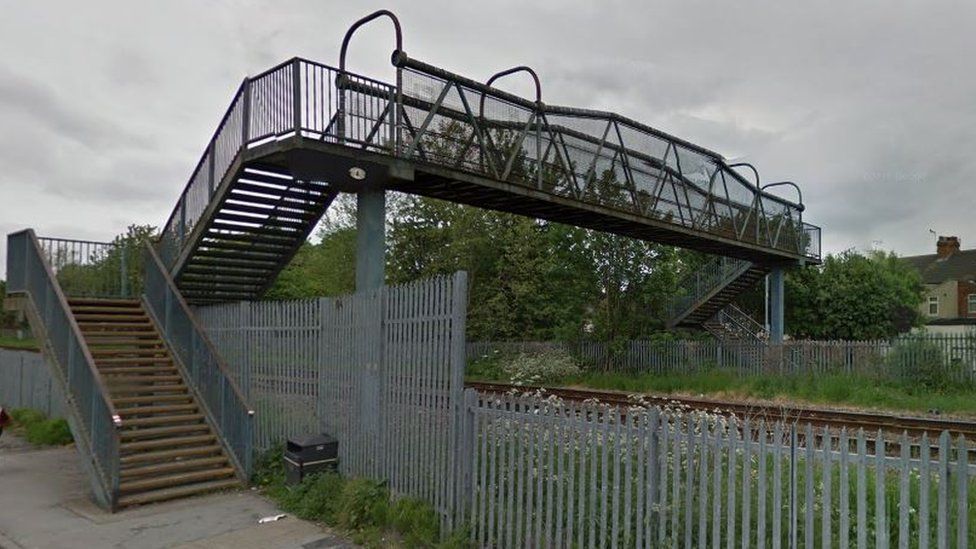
[960, 265]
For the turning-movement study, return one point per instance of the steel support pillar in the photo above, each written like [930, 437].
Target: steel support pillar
[776, 302]
[370, 239]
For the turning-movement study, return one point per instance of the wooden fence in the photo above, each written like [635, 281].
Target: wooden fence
[548, 473]
[25, 382]
[952, 358]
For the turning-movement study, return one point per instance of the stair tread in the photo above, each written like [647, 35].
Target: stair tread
[147, 398]
[102, 301]
[175, 479]
[116, 370]
[163, 379]
[164, 494]
[169, 454]
[134, 359]
[162, 419]
[174, 466]
[152, 410]
[208, 438]
[152, 432]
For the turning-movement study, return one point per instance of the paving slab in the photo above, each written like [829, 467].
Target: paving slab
[45, 503]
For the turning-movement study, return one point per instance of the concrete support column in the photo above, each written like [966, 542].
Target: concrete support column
[370, 239]
[776, 304]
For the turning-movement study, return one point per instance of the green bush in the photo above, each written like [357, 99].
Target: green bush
[39, 430]
[361, 507]
[25, 416]
[50, 432]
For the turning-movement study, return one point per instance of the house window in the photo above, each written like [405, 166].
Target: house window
[972, 304]
[933, 306]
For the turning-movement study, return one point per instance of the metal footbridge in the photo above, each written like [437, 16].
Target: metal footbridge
[299, 133]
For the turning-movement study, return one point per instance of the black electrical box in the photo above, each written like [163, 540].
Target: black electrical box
[310, 454]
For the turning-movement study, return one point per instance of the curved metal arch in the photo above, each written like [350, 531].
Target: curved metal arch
[799, 193]
[538, 103]
[751, 167]
[355, 26]
[398, 53]
[506, 72]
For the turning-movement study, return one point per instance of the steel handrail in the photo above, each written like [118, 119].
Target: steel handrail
[75, 329]
[221, 365]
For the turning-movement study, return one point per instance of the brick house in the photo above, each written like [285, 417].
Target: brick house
[949, 275]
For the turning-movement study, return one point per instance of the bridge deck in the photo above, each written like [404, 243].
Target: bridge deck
[445, 136]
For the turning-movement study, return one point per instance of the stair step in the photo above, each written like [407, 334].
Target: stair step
[174, 466]
[116, 327]
[134, 360]
[279, 221]
[163, 380]
[140, 337]
[153, 410]
[106, 310]
[145, 390]
[156, 432]
[317, 195]
[177, 479]
[115, 351]
[154, 496]
[169, 454]
[86, 301]
[288, 211]
[120, 402]
[162, 419]
[122, 370]
[209, 438]
[111, 318]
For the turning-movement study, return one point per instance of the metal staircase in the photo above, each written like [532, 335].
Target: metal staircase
[706, 292]
[167, 449]
[153, 410]
[732, 324]
[250, 230]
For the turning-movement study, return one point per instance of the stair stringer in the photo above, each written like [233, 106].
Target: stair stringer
[106, 494]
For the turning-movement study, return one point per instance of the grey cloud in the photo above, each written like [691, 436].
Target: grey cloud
[867, 105]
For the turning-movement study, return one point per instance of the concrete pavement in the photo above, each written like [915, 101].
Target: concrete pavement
[44, 503]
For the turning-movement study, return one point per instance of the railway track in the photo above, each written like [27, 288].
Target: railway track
[836, 419]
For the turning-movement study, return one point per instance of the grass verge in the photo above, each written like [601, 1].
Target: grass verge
[360, 508]
[38, 429]
[14, 343]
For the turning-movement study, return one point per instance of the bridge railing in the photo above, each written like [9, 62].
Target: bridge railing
[95, 421]
[441, 118]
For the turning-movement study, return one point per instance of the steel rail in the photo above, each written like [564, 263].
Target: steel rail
[870, 422]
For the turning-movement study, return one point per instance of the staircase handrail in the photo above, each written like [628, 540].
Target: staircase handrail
[29, 273]
[221, 396]
[740, 320]
[698, 284]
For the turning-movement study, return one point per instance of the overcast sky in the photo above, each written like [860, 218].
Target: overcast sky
[105, 107]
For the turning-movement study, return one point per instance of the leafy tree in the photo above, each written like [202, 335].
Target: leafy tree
[853, 296]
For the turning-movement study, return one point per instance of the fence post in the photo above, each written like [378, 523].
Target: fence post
[246, 114]
[464, 484]
[125, 271]
[794, 499]
[296, 83]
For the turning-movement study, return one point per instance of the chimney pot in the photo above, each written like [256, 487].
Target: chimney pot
[946, 246]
